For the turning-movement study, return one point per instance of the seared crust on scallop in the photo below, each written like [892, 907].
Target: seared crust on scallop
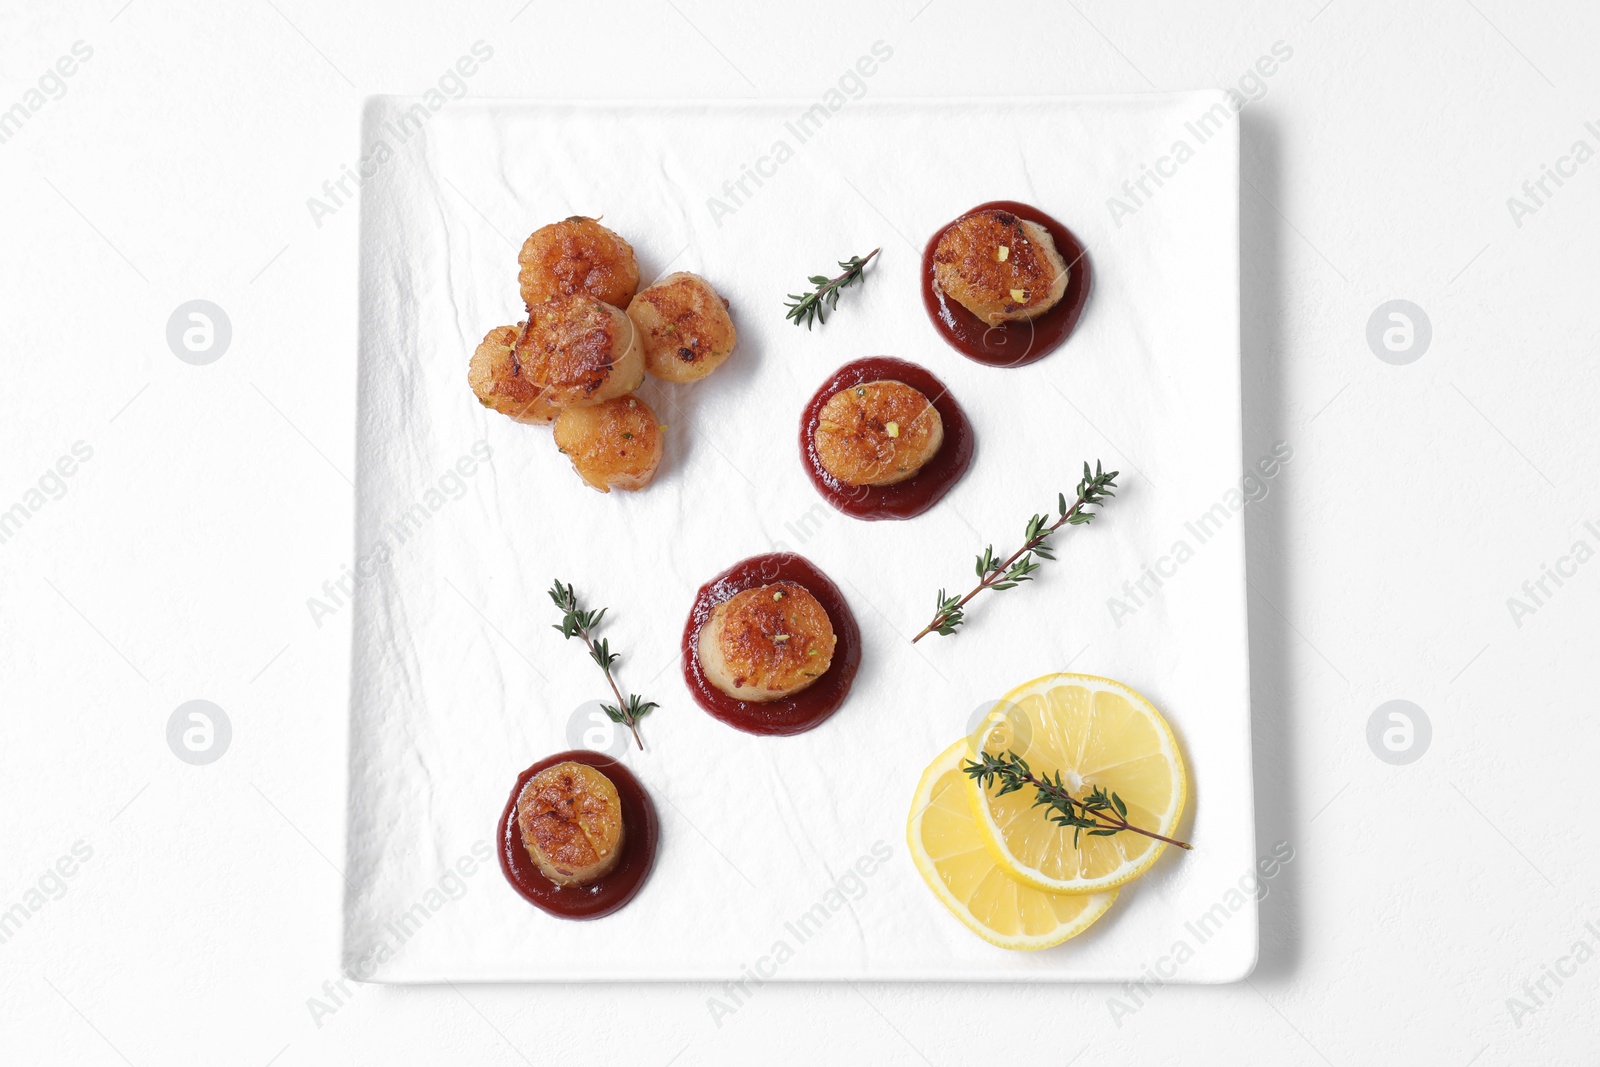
[685, 327]
[877, 433]
[615, 444]
[766, 643]
[577, 255]
[570, 818]
[1000, 267]
[571, 352]
[498, 380]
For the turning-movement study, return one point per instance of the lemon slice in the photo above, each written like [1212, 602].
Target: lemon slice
[1095, 732]
[950, 852]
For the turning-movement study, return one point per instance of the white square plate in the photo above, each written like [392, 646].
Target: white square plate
[464, 517]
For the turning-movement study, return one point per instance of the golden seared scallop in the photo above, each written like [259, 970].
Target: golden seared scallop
[1000, 267]
[766, 643]
[684, 326]
[877, 433]
[498, 380]
[570, 818]
[615, 444]
[577, 255]
[573, 351]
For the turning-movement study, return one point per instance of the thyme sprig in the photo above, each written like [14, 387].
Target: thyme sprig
[1102, 814]
[1018, 567]
[809, 306]
[576, 622]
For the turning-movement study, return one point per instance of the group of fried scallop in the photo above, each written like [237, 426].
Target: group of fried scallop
[770, 646]
[590, 336]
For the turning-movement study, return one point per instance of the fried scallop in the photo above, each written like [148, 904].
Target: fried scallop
[570, 352]
[615, 444]
[684, 326]
[877, 433]
[1000, 267]
[570, 818]
[497, 380]
[766, 643]
[577, 255]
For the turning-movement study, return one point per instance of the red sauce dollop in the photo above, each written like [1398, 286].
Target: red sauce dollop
[602, 897]
[922, 490]
[1012, 344]
[806, 709]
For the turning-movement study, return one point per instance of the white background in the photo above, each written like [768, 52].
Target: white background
[177, 565]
